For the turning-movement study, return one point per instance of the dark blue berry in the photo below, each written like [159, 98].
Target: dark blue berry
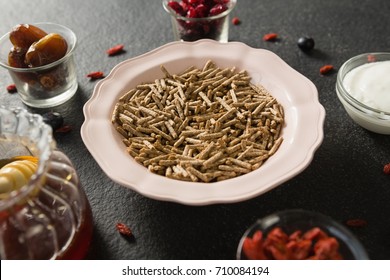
[54, 119]
[306, 43]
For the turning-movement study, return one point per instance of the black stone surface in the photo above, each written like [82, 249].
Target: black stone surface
[345, 180]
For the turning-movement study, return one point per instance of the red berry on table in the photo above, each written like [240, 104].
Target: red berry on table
[326, 69]
[270, 37]
[236, 21]
[386, 169]
[11, 88]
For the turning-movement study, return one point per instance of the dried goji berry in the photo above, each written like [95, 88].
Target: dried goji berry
[11, 88]
[270, 37]
[253, 247]
[356, 223]
[327, 249]
[386, 169]
[314, 234]
[236, 21]
[124, 229]
[115, 50]
[299, 250]
[371, 58]
[95, 75]
[296, 235]
[64, 129]
[326, 69]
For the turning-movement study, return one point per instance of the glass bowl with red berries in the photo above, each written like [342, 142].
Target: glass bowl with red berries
[200, 19]
[299, 235]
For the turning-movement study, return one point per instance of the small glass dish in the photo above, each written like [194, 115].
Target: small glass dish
[193, 29]
[47, 85]
[370, 118]
[291, 221]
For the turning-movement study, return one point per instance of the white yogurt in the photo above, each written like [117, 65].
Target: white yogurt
[370, 84]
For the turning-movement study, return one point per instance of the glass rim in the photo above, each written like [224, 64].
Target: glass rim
[68, 54]
[231, 6]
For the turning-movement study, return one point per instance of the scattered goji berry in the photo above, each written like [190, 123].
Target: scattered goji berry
[115, 50]
[326, 69]
[270, 37]
[371, 58]
[356, 223]
[11, 88]
[95, 75]
[64, 129]
[124, 229]
[236, 21]
[386, 169]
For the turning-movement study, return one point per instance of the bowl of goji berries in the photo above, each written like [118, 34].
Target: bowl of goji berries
[299, 235]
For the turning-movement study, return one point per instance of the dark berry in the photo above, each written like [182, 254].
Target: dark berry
[54, 119]
[306, 43]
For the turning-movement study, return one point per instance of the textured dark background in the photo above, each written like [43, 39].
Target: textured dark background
[345, 179]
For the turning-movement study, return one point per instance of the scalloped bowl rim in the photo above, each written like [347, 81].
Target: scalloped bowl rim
[302, 132]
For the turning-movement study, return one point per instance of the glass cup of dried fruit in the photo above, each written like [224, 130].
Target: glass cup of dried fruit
[44, 212]
[39, 58]
[200, 19]
[299, 235]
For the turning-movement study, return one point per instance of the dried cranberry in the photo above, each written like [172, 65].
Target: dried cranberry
[195, 2]
[201, 10]
[11, 88]
[177, 7]
[217, 9]
[306, 43]
[236, 21]
[191, 13]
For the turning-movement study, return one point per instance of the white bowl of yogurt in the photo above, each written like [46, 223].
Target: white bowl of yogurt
[363, 87]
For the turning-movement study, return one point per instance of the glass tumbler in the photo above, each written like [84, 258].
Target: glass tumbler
[191, 29]
[46, 216]
[48, 85]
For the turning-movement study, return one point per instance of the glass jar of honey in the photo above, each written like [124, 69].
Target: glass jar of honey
[44, 212]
